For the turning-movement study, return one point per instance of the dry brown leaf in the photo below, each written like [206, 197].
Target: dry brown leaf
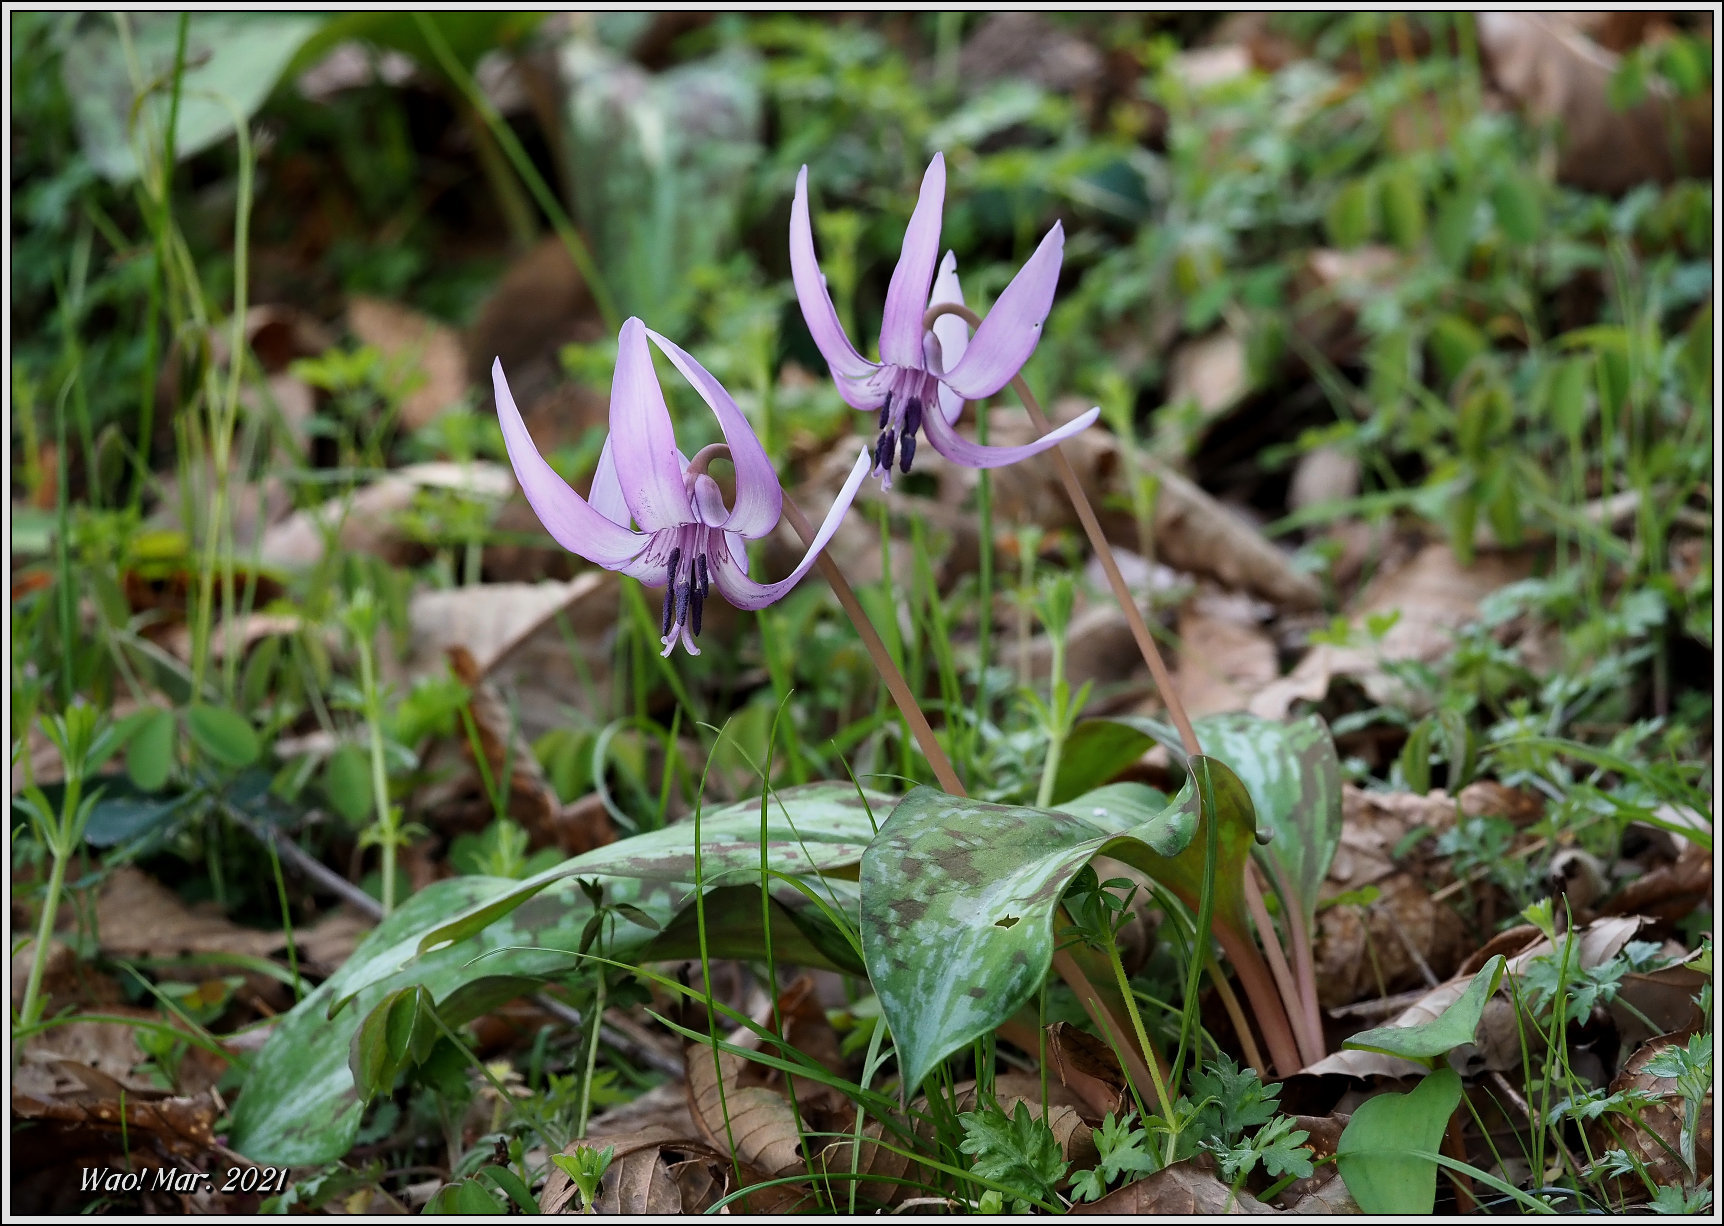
[513, 632]
[138, 917]
[1323, 474]
[1202, 67]
[1560, 76]
[1027, 46]
[1331, 287]
[1329, 1198]
[1433, 595]
[640, 1178]
[531, 801]
[1193, 531]
[1213, 374]
[365, 521]
[755, 1123]
[1595, 944]
[433, 349]
[1088, 1067]
[1669, 891]
[1401, 938]
[1225, 655]
[182, 1126]
[1655, 1138]
[1185, 1188]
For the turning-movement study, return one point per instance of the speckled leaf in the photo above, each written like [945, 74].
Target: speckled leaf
[1182, 873]
[819, 828]
[958, 898]
[300, 1106]
[1294, 777]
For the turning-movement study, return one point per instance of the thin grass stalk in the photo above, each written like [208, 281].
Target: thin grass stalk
[161, 207]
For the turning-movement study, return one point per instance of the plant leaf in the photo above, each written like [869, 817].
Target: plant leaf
[1453, 1027]
[1381, 1150]
[300, 1105]
[959, 896]
[224, 735]
[1293, 775]
[150, 755]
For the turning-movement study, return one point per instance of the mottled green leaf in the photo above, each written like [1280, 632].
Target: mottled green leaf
[1453, 1027]
[959, 896]
[300, 1105]
[1384, 1151]
[232, 62]
[1293, 775]
[819, 827]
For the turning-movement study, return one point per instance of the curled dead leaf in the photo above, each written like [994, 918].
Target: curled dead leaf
[1189, 1189]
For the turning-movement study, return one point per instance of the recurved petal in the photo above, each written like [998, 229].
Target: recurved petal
[816, 301]
[643, 442]
[759, 497]
[1008, 333]
[951, 333]
[575, 524]
[960, 450]
[907, 294]
[744, 592]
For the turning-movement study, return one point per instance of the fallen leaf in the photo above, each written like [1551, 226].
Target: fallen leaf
[1225, 655]
[1432, 597]
[1210, 373]
[1595, 944]
[515, 633]
[1655, 1137]
[431, 348]
[1026, 46]
[365, 521]
[1193, 531]
[1670, 891]
[138, 917]
[640, 1178]
[757, 1124]
[1561, 77]
[1185, 1189]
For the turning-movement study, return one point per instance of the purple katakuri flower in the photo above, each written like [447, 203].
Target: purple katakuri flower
[923, 379]
[688, 541]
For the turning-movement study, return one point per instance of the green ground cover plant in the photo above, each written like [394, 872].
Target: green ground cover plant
[960, 613]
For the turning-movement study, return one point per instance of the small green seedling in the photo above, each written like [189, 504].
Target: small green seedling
[585, 1166]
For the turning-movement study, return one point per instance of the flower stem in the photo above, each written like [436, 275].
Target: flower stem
[889, 673]
[1098, 541]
